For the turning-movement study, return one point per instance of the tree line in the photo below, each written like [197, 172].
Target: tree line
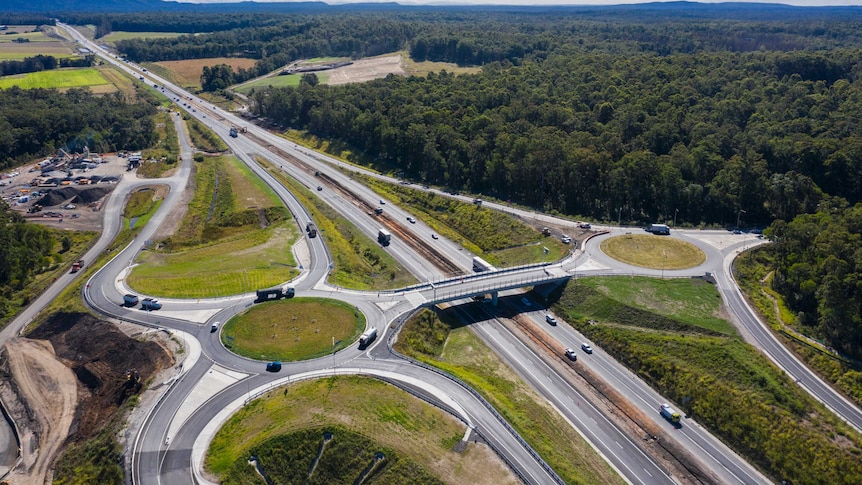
[634, 138]
[37, 122]
[42, 63]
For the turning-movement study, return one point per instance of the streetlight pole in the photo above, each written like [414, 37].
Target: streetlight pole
[738, 214]
[675, 212]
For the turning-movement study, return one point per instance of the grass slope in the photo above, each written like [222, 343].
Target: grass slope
[294, 329]
[724, 383]
[221, 247]
[390, 418]
[440, 341]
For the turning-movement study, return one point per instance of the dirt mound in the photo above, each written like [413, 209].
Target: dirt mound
[109, 364]
[79, 195]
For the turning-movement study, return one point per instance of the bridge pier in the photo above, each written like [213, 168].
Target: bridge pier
[494, 297]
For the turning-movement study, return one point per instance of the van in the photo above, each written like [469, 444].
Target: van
[550, 319]
[130, 300]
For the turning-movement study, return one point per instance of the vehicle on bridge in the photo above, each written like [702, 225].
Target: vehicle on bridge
[480, 265]
[366, 338]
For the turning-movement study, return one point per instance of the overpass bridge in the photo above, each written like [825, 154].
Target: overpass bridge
[488, 282]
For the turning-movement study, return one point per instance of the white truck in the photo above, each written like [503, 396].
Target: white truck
[384, 237]
[367, 337]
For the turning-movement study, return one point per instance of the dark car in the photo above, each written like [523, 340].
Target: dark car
[273, 366]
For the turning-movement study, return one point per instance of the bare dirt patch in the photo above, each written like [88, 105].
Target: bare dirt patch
[57, 367]
[49, 390]
[189, 72]
[366, 70]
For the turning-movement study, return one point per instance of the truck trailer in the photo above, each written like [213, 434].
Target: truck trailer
[669, 413]
[367, 337]
[384, 237]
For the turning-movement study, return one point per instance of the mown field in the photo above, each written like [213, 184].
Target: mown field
[122, 35]
[293, 329]
[670, 332]
[359, 262]
[57, 78]
[187, 73]
[32, 37]
[651, 251]
[442, 342]
[235, 238]
[284, 429]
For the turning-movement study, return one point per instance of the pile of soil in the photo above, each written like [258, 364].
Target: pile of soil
[78, 195]
[109, 365]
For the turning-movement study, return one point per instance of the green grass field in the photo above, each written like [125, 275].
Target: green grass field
[57, 78]
[31, 36]
[666, 332]
[390, 418]
[293, 329]
[122, 35]
[290, 80]
[656, 252]
[220, 247]
[457, 350]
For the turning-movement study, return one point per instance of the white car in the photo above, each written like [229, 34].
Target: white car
[586, 348]
[565, 239]
[550, 319]
[214, 327]
[411, 220]
[571, 354]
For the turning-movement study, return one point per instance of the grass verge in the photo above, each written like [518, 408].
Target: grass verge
[726, 384]
[360, 263]
[388, 417]
[293, 329]
[166, 150]
[235, 238]
[203, 138]
[650, 251]
[499, 238]
[441, 341]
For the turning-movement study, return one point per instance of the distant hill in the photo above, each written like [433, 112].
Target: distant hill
[645, 11]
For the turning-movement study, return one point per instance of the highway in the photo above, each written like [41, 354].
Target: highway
[164, 459]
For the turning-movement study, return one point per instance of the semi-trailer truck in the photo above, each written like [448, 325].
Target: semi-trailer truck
[659, 229]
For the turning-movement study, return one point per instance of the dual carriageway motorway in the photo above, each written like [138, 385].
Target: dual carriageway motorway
[170, 444]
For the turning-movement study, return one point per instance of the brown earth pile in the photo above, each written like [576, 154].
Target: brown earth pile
[109, 365]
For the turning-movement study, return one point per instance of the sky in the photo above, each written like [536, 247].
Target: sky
[800, 3]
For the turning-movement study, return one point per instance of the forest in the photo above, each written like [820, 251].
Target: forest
[42, 63]
[37, 122]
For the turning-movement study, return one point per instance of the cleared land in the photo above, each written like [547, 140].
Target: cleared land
[666, 332]
[235, 238]
[30, 36]
[423, 68]
[416, 431]
[293, 329]
[57, 78]
[656, 252]
[15, 51]
[122, 35]
[291, 80]
[188, 73]
[442, 342]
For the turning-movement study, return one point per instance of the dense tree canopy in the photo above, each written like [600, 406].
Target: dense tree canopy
[37, 122]
[608, 136]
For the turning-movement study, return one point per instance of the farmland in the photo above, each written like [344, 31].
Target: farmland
[118, 36]
[58, 78]
[188, 72]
